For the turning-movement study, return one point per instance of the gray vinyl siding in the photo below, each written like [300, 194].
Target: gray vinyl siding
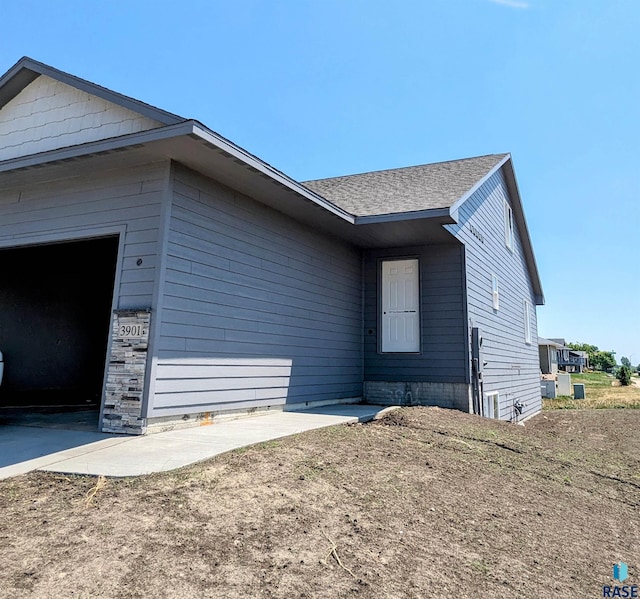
[512, 368]
[443, 355]
[127, 203]
[258, 310]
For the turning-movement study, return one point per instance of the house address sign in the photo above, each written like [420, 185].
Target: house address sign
[131, 331]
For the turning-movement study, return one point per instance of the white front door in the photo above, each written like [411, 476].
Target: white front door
[400, 306]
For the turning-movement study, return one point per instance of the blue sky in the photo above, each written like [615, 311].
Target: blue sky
[328, 87]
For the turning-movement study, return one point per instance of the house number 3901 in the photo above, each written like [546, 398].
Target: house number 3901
[128, 331]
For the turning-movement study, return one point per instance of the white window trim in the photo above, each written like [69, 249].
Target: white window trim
[528, 332]
[494, 397]
[508, 226]
[495, 292]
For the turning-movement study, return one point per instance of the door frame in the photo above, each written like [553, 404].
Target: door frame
[55, 237]
[379, 293]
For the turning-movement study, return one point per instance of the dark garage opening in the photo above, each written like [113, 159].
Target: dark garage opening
[55, 309]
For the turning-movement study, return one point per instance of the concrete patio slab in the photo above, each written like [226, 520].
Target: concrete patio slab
[79, 452]
[27, 448]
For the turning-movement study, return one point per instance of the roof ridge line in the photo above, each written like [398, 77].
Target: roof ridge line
[401, 168]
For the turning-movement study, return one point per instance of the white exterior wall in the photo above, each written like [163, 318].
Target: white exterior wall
[48, 115]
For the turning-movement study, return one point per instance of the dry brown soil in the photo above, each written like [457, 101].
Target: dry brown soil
[424, 503]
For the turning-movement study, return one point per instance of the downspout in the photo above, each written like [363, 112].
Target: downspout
[467, 325]
[362, 331]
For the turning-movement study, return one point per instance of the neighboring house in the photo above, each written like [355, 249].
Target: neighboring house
[557, 362]
[570, 360]
[548, 351]
[163, 272]
[579, 360]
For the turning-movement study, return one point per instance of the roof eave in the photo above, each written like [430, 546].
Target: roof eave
[15, 80]
[440, 213]
[26, 70]
[548, 342]
[97, 147]
[506, 164]
[518, 211]
[253, 161]
[456, 205]
[191, 129]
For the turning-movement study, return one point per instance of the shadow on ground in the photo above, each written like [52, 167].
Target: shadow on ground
[28, 434]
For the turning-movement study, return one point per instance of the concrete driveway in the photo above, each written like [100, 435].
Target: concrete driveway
[27, 448]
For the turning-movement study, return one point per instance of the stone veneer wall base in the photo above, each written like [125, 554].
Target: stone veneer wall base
[122, 410]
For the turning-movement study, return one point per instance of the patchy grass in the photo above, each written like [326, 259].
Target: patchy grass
[602, 391]
[423, 503]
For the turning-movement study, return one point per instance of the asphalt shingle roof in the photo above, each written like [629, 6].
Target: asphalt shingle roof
[424, 187]
[543, 341]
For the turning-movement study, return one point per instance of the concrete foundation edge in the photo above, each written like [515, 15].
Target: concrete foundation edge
[444, 395]
[168, 423]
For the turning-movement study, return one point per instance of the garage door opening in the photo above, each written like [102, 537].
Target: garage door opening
[55, 310]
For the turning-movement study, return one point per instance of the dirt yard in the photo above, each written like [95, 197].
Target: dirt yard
[424, 503]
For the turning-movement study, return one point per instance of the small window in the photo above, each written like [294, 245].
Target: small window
[527, 321]
[495, 292]
[508, 226]
[492, 405]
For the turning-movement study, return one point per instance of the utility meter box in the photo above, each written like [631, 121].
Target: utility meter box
[564, 384]
[548, 389]
[578, 391]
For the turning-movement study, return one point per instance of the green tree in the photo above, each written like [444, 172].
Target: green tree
[625, 362]
[599, 360]
[624, 375]
[603, 360]
[591, 350]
